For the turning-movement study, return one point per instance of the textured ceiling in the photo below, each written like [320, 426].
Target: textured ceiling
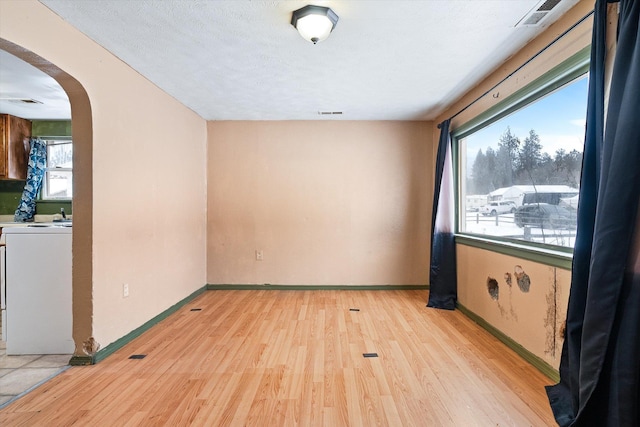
[242, 60]
[20, 81]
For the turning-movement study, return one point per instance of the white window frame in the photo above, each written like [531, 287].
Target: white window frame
[44, 191]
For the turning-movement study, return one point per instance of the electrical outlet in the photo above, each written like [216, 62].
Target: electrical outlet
[125, 290]
[259, 256]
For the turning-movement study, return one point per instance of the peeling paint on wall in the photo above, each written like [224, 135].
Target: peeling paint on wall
[552, 323]
[535, 318]
[508, 278]
[561, 318]
[90, 346]
[551, 318]
[512, 311]
[493, 288]
[524, 282]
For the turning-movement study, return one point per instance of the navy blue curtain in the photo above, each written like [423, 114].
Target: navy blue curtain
[600, 364]
[35, 172]
[443, 291]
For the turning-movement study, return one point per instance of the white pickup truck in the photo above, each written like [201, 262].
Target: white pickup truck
[497, 208]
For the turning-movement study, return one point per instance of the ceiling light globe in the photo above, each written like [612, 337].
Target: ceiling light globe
[315, 28]
[314, 23]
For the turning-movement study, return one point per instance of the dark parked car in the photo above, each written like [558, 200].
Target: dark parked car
[545, 216]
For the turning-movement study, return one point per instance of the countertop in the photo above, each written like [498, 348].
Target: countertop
[7, 221]
[40, 228]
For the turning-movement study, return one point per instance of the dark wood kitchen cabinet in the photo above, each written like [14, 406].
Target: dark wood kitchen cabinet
[14, 146]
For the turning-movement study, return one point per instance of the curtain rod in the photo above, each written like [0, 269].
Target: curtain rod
[540, 52]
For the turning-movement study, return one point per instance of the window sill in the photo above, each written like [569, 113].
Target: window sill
[552, 257]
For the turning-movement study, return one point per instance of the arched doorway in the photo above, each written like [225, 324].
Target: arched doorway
[82, 133]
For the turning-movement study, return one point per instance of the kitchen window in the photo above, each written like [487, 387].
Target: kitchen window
[57, 183]
[526, 158]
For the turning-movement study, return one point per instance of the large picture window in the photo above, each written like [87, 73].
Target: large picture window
[520, 172]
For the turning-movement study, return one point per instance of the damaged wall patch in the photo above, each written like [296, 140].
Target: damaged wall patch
[508, 278]
[493, 288]
[524, 282]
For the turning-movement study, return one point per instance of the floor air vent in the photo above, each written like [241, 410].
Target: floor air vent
[137, 356]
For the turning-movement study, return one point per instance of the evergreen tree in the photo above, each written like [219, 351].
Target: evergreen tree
[479, 175]
[545, 172]
[525, 164]
[493, 180]
[530, 154]
[507, 157]
[567, 167]
[530, 159]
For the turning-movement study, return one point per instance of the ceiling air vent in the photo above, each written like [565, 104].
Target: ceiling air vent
[538, 13]
[548, 5]
[21, 100]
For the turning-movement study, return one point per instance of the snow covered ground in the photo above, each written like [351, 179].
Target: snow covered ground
[504, 226]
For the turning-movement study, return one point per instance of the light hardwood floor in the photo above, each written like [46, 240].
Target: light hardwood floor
[275, 358]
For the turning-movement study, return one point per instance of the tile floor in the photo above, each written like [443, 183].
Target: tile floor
[20, 374]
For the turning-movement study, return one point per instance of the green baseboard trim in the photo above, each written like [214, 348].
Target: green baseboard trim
[534, 360]
[211, 287]
[121, 342]
[81, 360]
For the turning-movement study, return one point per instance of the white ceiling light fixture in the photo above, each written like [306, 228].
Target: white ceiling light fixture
[314, 23]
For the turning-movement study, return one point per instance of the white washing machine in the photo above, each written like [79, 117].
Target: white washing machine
[38, 290]
[3, 291]
[4, 226]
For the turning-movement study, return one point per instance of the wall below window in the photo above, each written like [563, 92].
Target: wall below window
[326, 202]
[523, 299]
[530, 317]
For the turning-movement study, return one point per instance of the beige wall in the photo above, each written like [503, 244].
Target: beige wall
[143, 176]
[529, 305]
[533, 319]
[328, 202]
